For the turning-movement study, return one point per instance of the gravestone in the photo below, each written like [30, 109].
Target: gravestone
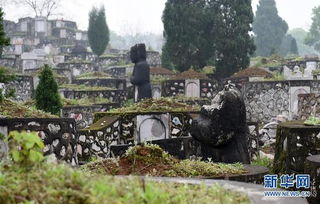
[222, 129]
[156, 91]
[152, 127]
[293, 94]
[192, 88]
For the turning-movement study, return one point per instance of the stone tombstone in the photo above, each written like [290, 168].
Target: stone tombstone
[287, 73]
[221, 128]
[141, 72]
[192, 88]
[156, 91]
[152, 127]
[293, 94]
[310, 66]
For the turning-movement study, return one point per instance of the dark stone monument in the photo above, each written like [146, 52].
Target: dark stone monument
[221, 128]
[141, 71]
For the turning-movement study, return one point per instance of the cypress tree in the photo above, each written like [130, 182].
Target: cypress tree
[4, 41]
[313, 36]
[187, 33]
[98, 31]
[234, 45]
[47, 96]
[269, 28]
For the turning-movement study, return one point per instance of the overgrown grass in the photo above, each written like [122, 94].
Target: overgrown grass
[50, 183]
[156, 105]
[150, 159]
[84, 101]
[94, 75]
[263, 161]
[83, 87]
[11, 109]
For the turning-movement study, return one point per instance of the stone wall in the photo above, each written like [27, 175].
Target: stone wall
[173, 88]
[206, 88]
[77, 68]
[117, 71]
[267, 99]
[112, 83]
[9, 62]
[23, 86]
[308, 105]
[84, 114]
[59, 135]
[118, 96]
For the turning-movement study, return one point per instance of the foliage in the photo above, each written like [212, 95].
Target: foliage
[93, 75]
[263, 161]
[196, 168]
[84, 101]
[269, 28]
[189, 34]
[234, 43]
[6, 76]
[313, 36]
[4, 40]
[25, 148]
[83, 87]
[47, 96]
[98, 31]
[149, 153]
[209, 69]
[150, 159]
[276, 77]
[288, 46]
[312, 120]
[61, 184]
[155, 105]
[300, 34]
[11, 109]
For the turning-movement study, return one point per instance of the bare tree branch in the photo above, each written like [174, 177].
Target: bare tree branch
[40, 7]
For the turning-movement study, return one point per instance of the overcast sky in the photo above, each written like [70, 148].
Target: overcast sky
[132, 16]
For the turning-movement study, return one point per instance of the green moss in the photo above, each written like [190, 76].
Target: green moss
[83, 87]
[11, 109]
[50, 183]
[94, 75]
[155, 105]
[84, 101]
[263, 161]
[141, 157]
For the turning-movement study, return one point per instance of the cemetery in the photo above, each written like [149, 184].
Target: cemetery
[205, 121]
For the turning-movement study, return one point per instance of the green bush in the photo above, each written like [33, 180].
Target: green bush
[47, 96]
[25, 148]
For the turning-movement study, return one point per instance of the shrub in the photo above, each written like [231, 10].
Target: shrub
[47, 96]
[25, 148]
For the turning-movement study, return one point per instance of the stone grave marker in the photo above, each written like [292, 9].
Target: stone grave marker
[192, 88]
[152, 127]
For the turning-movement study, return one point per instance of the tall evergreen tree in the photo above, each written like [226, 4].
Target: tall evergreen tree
[269, 28]
[4, 41]
[234, 43]
[98, 31]
[188, 34]
[47, 96]
[313, 37]
[288, 46]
